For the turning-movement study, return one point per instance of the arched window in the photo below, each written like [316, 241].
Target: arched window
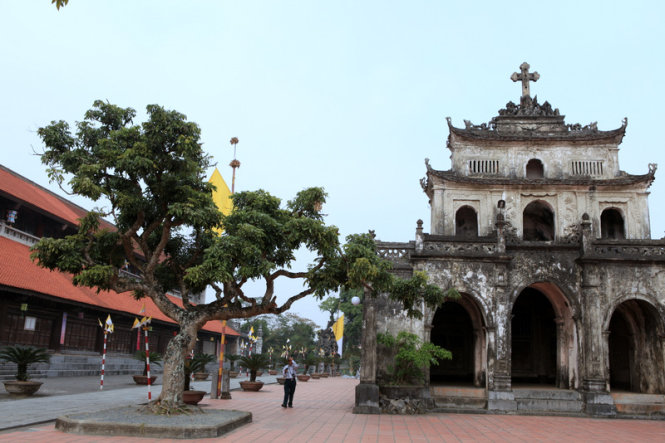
[466, 222]
[538, 222]
[534, 169]
[611, 225]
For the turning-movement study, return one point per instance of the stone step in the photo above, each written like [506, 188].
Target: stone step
[632, 403]
[454, 398]
[552, 400]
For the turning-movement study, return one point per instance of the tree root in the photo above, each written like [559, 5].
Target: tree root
[158, 407]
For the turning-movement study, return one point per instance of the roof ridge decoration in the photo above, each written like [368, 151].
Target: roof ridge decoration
[530, 119]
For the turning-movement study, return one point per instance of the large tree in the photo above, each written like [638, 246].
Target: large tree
[151, 178]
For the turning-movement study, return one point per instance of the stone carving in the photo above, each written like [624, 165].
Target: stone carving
[530, 108]
[576, 127]
[572, 234]
[525, 77]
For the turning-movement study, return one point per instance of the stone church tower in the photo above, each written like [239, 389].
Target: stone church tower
[548, 241]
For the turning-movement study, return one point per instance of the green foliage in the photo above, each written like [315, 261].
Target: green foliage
[411, 356]
[276, 330]
[352, 318]
[254, 363]
[59, 3]
[155, 359]
[232, 358]
[312, 359]
[24, 356]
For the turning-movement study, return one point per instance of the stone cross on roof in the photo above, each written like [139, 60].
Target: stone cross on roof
[525, 77]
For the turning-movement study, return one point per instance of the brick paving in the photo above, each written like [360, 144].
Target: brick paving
[322, 413]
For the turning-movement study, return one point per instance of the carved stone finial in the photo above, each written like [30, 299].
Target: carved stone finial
[372, 233]
[419, 223]
[652, 168]
[525, 77]
[427, 165]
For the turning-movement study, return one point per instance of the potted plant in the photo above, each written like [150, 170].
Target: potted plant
[232, 358]
[194, 365]
[199, 372]
[155, 359]
[311, 360]
[253, 363]
[23, 356]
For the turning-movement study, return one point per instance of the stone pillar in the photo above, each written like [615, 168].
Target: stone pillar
[500, 234]
[420, 240]
[500, 395]
[367, 391]
[595, 373]
[438, 222]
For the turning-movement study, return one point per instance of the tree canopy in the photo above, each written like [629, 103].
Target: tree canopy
[151, 179]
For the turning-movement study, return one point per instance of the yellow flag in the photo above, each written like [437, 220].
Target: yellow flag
[222, 195]
[338, 330]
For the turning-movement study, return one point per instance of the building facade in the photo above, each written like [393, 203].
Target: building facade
[548, 241]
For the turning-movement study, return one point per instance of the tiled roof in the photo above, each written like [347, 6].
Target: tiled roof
[18, 271]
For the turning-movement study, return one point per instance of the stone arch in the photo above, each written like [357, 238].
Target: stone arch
[535, 169]
[538, 221]
[635, 331]
[466, 222]
[612, 225]
[460, 326]
[552, 349]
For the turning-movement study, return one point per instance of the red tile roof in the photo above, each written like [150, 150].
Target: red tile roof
[18, 271]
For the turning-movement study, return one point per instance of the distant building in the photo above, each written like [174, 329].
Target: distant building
[548, 241]
[43, 308]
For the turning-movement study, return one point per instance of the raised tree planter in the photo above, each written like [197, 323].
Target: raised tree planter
[143, 379]
[193, 397]
[280, 380]
[201, 376]
[315, 376]
[324, 374]
[253, 386]
[259, 373]
[233, 374]
[22, 388]
[303, 377]
[272, 372]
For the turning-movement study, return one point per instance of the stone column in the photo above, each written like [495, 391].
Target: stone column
[500, 396]
[367, 391]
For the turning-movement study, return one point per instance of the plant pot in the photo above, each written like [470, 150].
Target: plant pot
[193, 397]
[280, 380]
[22, 388]
[233, 374]
[324, 374]
[143, 379]
[272, 372]
[303, 377]
[201, 376]
[316, 376]
[251, 385]
[259, 373]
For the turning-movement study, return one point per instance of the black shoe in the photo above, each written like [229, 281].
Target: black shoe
[285, 406]
[290, 406]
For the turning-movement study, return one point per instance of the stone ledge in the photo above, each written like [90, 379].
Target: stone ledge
[129, 421]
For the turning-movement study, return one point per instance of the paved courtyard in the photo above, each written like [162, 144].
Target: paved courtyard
[322, 413]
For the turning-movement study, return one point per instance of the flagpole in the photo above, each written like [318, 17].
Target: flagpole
[234, 165]
[147, 359]
[101, 382]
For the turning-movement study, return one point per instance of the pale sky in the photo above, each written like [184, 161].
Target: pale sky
[348, 95]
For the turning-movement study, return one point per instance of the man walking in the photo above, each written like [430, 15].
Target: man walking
[289, 373]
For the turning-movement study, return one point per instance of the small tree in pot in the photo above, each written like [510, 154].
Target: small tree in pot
[253, 363]
[232, 358]
[155, 360]
[23, 356]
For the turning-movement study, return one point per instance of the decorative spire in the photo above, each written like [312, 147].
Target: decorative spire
[525, 77]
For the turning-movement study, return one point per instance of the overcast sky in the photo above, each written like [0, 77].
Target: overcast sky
[348, 95]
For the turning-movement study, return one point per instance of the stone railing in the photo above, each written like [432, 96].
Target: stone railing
[460, 248]
[394, 252]
[17, 235]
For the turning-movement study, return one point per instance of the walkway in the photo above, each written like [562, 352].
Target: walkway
[322, 413]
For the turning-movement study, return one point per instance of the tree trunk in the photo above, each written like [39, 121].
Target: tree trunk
[173, 379]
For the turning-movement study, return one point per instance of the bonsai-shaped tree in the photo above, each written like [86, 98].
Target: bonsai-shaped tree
[151, 180]
[411, 356]
[155, 359]
[24, 356]
[254, 363]
[232, 358]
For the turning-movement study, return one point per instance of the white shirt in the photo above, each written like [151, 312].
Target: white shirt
[289, 371]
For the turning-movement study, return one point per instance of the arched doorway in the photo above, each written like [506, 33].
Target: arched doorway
[534, 339]
[635, 348]
[538, 222]
[466, 222]
[611, 225]
[458, 327]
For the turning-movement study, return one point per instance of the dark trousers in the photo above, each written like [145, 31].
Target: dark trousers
[289, 390]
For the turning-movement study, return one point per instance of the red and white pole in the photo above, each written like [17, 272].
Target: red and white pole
[147, 360]
[101, 383]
